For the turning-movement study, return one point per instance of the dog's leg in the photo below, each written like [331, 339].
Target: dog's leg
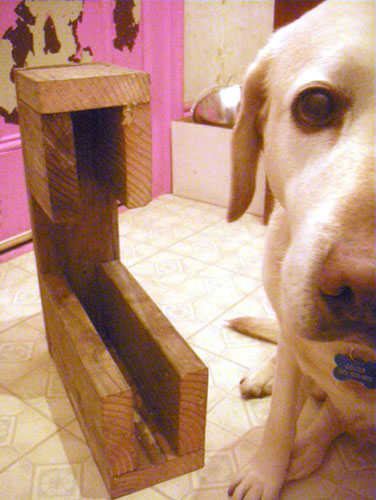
[264, 476]
[259, 383]
[311, 446]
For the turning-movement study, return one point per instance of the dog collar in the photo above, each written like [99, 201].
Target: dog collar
[354, 368]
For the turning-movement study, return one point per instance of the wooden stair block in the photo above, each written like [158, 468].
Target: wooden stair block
[138, 390]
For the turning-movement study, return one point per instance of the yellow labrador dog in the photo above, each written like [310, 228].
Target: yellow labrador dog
[307, 113]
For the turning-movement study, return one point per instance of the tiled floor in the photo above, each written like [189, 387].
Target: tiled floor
[200, 271]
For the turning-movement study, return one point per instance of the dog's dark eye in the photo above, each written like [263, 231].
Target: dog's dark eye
[315, 107]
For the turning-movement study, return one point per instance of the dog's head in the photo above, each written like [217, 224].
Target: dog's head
[307, 113]
[302, 95]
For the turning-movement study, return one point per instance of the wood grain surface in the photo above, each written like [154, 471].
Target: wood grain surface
[137, 389]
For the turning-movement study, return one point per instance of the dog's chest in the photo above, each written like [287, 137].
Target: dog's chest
[346, 372]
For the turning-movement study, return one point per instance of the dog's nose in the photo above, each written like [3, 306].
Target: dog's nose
[347, 281]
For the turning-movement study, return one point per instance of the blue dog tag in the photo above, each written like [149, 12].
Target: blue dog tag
[355, 369]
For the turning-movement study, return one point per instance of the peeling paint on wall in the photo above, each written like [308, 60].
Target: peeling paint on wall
[51, 41]
[42, 35]
[45, 33]
[126, 17]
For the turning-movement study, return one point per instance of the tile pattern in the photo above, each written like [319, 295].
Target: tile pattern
[201, 271]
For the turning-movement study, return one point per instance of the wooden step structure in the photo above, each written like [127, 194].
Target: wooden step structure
[138, 390]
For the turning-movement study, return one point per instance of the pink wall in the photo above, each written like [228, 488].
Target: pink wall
[158, 50]
[163, 58]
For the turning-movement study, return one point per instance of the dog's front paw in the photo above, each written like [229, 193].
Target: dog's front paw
[253, 483]
[306, 456]
[256, 385]
[259, 383]
[246, 488]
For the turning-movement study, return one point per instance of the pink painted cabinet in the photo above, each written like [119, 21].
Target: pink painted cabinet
[142, 34]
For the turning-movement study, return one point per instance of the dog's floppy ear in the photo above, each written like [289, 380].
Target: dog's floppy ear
[247, 139]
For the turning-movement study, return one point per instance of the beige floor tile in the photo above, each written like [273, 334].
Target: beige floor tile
[215, 395]
[205, 248]
[218, 438]
[61, 467]
[61, 448]
[245, 447]
[7, 320]
[210, 338]
[226, 374]
[92, 485]
[158, 233]
[167, 268]
[209, 494]
[250, 356]
[22, 300]
[223, 414]
[36, 322]
[188, 314]
[26, 262]
[218, 472]
[259, 410]
[256, 304]
[22, 349]
[132, 251]
[152, 494]
[16, 482]
[244, 260]
[22, 428]
[179, 487]
[57, 481]
[44, 391]
[10, 275]
[219, 286]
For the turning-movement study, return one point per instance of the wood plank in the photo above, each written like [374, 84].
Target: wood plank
[123, 153]
[49, 157]
[173, 467]
[139, 156]
[170, 378]
[99, 394]
[43, 243]
[84, 86]
[33, 155]
[60, 161]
